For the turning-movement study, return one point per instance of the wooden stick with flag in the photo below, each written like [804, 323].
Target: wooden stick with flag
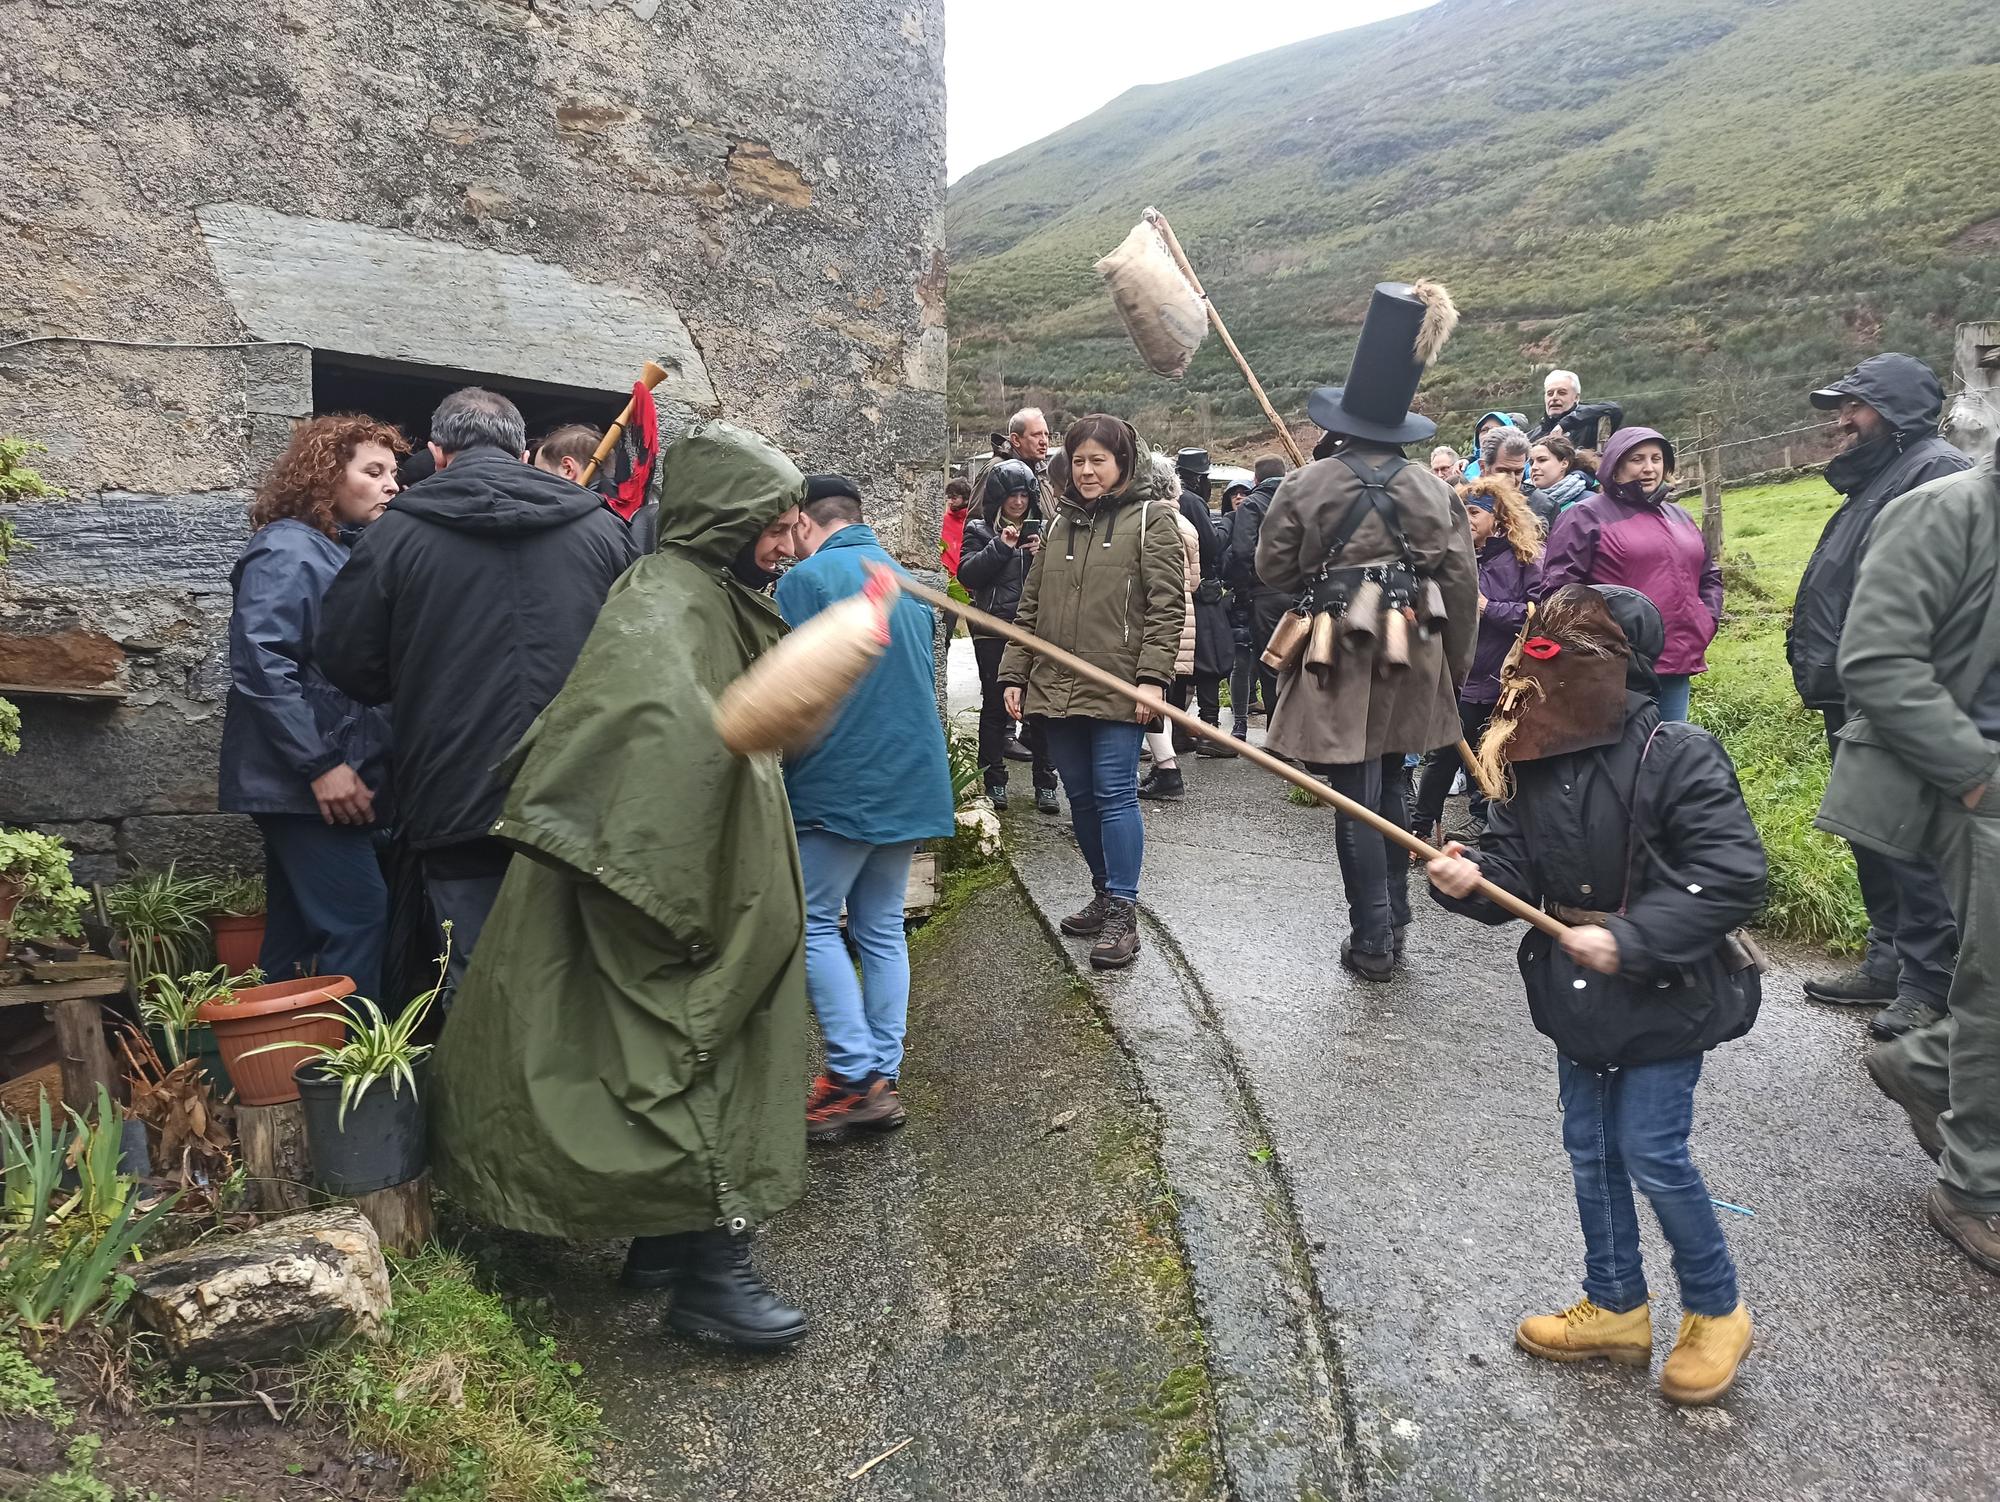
[633, 441]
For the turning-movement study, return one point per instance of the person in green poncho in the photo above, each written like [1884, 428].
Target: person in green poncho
[627, 1054]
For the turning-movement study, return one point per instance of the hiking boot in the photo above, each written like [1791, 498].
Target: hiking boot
[1215, 749]
[1852, 988]
[1163, 785]
[1705, 1356]
[1047, 802]
[1090, 921]
[717, 1294]
[1903, 1015]
[1978, 1236]
[1367, 963]
[1015, 751]
[1584, 1332]
[650, 1263]
[1904, 1091]
[881, 1108]
[1118, 941]
[833, 1106]
[996, 794]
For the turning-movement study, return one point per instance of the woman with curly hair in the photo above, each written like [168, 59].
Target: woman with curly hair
[1507, 536]
[306, 762]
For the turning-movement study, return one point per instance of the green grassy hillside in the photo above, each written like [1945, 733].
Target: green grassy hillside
[1703, 205]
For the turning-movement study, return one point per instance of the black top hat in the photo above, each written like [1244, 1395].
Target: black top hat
[1406, 326]
[1192, 461]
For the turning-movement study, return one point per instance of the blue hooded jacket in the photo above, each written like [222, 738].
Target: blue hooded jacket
[1472, 459]
[880, 775]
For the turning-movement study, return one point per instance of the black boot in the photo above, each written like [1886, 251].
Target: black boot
[1163, 785]
[650, 1263]
[717, 1293]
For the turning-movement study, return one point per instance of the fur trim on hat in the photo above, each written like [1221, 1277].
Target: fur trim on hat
[1440, 318]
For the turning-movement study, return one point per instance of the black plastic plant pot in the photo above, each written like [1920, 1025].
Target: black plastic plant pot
[382, 1143]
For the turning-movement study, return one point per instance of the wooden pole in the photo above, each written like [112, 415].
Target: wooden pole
[1711, 489]
[82, 1052]
[1194, 725]
[1159, 222]
[650, 375]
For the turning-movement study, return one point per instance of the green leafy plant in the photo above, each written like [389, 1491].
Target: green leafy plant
[10, 726]
[963, 749]
[19, 482]
[377, 1047]
[50, 901]
[170, 1005]
[163, 917]
[62, 1265]
[238, 896]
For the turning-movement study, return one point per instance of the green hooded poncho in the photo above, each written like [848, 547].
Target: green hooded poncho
[628, 1053]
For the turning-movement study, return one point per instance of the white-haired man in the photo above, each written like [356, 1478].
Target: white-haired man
[1027, 441]
[1567, 411]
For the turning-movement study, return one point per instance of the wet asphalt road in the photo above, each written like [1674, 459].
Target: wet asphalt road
[1416, 1128]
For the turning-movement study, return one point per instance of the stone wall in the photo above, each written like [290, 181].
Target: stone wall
[749, 191]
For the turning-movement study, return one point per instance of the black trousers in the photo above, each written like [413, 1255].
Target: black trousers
[1912, 938]
[1374, 872]
[995, 725]
[1444, 764]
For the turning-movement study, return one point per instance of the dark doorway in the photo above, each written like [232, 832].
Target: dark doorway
[406, 395]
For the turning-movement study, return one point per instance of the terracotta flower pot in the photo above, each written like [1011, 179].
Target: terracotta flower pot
[10, 898]
[262, 1015]
[238, 939]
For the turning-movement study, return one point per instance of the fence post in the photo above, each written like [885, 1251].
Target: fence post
[1973, 421]
[1711, 489]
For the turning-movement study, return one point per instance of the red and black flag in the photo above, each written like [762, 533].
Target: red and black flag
[629, 471]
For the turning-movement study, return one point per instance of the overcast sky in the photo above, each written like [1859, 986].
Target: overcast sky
[1020, 69]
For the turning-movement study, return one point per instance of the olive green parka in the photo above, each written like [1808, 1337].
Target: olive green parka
[628, 1053]
[1109, 585]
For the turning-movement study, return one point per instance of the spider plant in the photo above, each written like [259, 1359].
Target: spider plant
[237, 896]
[163, 917]
[170, 1005]
[377, 1047]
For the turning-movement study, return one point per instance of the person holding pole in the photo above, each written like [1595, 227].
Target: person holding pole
[1631, 829]
[1377, 556]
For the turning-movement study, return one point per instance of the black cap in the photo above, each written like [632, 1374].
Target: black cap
[1015, 478]
[1828, 398]
[819, 487]
[1192, 461]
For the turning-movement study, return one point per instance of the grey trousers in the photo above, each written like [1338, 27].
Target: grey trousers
[464, 903]
[1956, 1063]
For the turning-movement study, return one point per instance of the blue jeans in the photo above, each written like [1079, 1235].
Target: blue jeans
[326, 903]
[1674, 695]
[862, 1019]
[1098, 761]
[1630, 1126]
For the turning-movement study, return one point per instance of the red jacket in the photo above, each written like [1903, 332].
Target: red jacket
[952, 538]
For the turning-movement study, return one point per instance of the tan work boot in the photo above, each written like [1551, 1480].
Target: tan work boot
[1704, 1359]
[1583, 1331]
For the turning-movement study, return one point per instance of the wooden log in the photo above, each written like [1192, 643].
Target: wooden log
[84, 967]
[402, 1214]
[83, 1054]
[275, 1156]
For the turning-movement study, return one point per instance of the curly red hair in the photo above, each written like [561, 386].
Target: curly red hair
[303, 482]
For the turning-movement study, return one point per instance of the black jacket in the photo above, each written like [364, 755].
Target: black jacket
[1214, 645]
[993, 571]
[1696, 872]
[285, 724]
[1245, 526]
[1580, 423]
[1870, 477]
[464, 607]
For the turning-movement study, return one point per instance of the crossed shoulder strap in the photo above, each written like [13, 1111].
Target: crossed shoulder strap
[1374, 497]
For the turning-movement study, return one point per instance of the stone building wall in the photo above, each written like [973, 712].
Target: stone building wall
[749, 190]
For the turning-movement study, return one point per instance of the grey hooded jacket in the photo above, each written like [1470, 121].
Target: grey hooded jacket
[1908, 395]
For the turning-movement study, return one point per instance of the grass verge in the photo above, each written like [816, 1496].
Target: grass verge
[474, 1406]
[1778, 745]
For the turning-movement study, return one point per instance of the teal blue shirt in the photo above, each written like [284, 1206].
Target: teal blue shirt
[880, 774]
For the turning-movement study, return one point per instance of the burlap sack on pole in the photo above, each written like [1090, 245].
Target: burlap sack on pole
[1161, 311]
[787, 697]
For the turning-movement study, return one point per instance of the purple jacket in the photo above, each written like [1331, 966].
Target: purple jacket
[1508, 585]
[1646, 543]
